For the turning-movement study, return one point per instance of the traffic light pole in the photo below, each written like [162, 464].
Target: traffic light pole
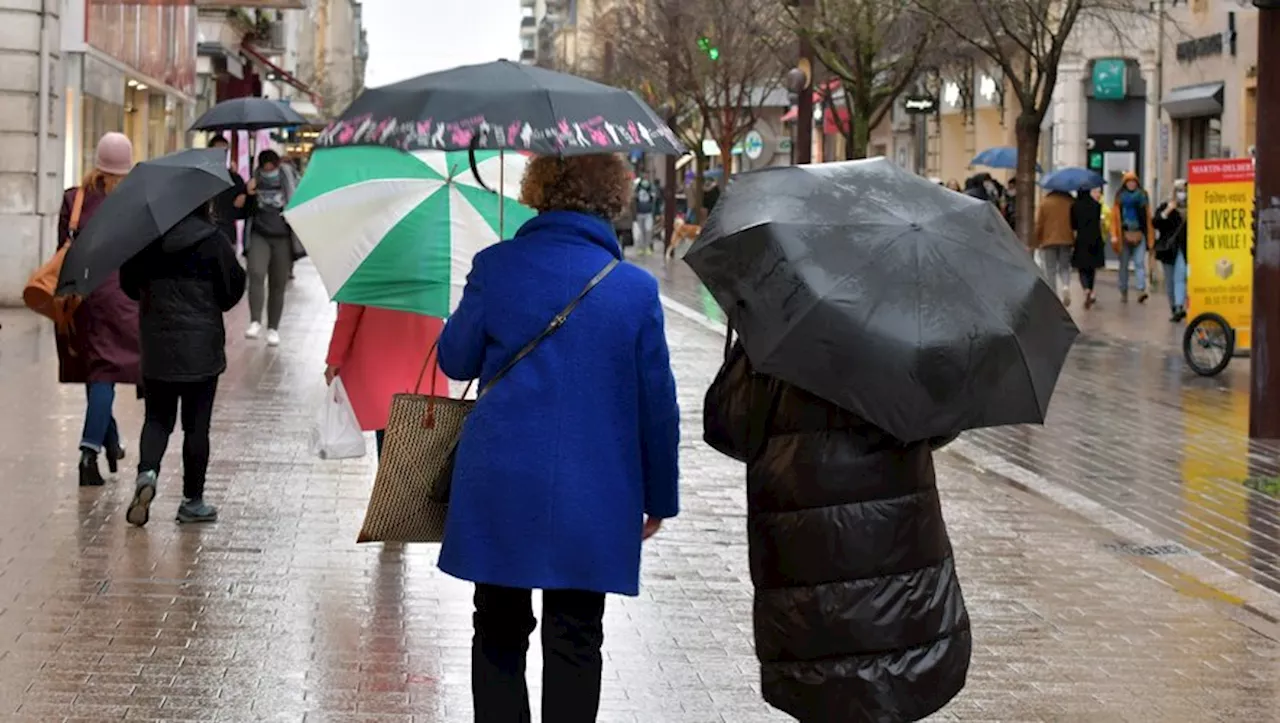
[803, 148]
[1264, 397]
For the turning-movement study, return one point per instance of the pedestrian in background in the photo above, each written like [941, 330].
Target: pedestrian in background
[1132, 234]
[229, 206]
[954, 185]
[379, 353]
[858, 611]
[1055, 240]
[1088, 253]
[270, 246]
[185, 282]
[644, 205]
[1171, 250]
[100, 348]
[569, 461]
[1009, 206]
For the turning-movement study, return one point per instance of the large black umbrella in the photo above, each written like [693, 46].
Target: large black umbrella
[248, 114]
[912, 306]
[152, 199]
[502, 105]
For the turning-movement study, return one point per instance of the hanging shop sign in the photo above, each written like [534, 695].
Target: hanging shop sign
[1110, 79]
[920, 104]
[1219, 236]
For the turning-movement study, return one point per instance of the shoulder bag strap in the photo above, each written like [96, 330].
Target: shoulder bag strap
[77, 206]
[552, 328]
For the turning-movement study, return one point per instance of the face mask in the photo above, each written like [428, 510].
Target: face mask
[1181, 196]
[271, 175]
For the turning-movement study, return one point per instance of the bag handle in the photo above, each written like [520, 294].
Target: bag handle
[551, 328]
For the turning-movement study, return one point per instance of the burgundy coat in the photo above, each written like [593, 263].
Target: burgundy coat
[103, 346]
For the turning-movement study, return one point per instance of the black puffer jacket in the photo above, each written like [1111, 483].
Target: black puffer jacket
[858, 611]
[185, 282]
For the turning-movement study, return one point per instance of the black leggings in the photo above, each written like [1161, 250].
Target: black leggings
[162, 402]
[1087, 277]
[572, 633]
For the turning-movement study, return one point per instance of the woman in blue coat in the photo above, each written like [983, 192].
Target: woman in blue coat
[570, 460]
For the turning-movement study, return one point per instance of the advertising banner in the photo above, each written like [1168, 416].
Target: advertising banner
[1219, 237]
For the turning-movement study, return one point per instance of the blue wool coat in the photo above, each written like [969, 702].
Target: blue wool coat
[560, 461]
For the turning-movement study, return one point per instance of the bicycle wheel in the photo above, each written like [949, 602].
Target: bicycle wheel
[1208, 344]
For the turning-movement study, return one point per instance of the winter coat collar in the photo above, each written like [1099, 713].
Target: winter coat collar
[583, 226]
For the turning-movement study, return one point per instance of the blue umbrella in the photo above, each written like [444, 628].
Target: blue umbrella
[999, 157]
[1071, 179]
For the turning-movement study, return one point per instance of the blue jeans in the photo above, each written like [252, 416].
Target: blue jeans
[100, 429]
[1175, 275]
[1138, 255]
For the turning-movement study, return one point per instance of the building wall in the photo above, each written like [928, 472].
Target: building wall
[30, 166]
[1236, 71]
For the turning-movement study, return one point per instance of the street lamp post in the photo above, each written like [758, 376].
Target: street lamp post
[803, 148]
[1264, 399]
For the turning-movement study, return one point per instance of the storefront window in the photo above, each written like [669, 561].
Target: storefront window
[158, 40]
[100, 118]
[157, 127]
[1198, 138]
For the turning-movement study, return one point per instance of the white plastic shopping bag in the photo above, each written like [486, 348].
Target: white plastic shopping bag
[337, 434]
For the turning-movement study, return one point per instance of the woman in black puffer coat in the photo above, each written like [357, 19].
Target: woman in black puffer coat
[858, 612]
[184, 283]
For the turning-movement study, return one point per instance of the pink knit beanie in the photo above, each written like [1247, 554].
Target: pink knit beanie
[115, 154]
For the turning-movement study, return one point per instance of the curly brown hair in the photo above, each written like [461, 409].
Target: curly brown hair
[598, 184]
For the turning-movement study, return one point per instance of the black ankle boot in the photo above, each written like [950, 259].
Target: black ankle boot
[90, 475]
[114, 455]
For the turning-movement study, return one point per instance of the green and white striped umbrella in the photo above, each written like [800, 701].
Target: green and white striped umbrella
[398, 230]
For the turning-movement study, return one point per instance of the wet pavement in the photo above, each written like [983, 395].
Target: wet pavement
[275, 613]
[1132, 429]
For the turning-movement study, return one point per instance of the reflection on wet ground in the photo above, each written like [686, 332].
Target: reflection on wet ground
[274, 614]
[1132, 428]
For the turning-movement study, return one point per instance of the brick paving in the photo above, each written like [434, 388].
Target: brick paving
[275, 614]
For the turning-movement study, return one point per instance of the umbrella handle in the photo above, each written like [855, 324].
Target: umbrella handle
[471, 157]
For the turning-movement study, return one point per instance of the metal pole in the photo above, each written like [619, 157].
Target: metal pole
[502, 195]
[1160, 151]
[804, 105]
[1264, 374]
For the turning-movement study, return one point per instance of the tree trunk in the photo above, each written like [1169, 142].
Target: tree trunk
[726, 159]
[858, 137]
[1028, 134]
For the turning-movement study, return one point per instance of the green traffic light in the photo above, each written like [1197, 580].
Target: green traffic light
[714, 53]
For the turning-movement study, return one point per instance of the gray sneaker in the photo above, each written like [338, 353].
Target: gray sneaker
[197, 511]
[144, 492]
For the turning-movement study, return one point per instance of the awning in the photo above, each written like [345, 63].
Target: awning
[831, 87]
[711, 149]
[1193, 101]
[284, 75]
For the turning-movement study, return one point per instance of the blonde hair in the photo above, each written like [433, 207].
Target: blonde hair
[598, 184]
[99, 180]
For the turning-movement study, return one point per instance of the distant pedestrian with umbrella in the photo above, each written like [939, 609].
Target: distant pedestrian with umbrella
[1132, 234]
[1088, 254]
[879, 316]
[99, 349]
[229, 206]
[269, 246]
[184, 274]
[1055, 240]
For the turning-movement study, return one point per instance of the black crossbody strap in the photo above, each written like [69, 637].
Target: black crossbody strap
[552, 328]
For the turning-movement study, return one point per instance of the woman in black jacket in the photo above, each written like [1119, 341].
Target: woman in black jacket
[1171, 250]
[858, 611]
[1089, 253]
[184, 283]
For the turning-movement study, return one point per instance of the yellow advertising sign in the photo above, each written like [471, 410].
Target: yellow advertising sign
[1219, 235]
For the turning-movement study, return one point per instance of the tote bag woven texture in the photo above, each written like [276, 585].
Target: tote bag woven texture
[410, 494]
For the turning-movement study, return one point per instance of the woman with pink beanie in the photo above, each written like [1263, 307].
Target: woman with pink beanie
[100, 350]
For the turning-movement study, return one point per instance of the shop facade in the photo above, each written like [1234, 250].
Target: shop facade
[129, 68]
[1210, 78]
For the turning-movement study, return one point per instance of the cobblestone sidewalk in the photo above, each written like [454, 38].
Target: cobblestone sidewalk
[275, 614]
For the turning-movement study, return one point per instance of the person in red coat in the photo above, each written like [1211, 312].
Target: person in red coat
[100, 349]
[379, 353]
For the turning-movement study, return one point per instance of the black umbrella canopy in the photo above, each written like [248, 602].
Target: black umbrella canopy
[152, 199]
[502, 105]
[248, 114]
[912, 306]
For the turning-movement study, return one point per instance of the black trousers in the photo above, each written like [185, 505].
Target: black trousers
[162, 402]
[1087, 277]
[572, 633]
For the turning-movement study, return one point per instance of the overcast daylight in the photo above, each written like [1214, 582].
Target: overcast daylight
[412, 37]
